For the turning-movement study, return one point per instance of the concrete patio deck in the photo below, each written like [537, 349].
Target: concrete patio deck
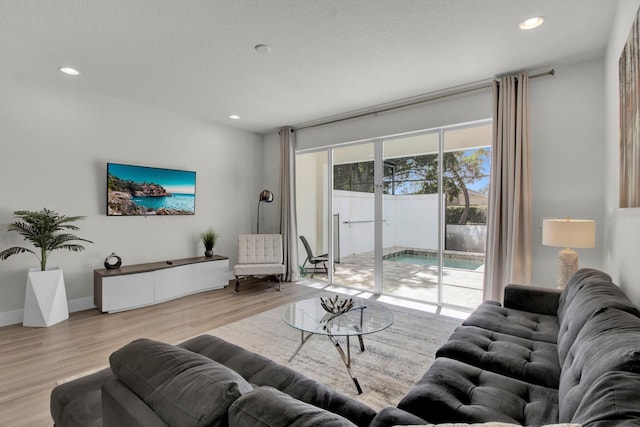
[461, 287]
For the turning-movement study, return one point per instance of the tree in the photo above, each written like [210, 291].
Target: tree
[419, 174]
[462, 168]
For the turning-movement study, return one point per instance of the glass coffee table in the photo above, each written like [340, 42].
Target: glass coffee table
[365, 317]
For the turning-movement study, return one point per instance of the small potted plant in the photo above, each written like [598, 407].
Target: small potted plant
[209, 238]
[47, 231]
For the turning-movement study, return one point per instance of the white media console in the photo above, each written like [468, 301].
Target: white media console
[135, 286]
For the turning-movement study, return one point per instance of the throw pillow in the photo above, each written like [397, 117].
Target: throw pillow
[267, 406]
[489, 424]
[182, 387]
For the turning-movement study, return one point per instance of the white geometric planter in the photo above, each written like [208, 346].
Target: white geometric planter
[45, 300]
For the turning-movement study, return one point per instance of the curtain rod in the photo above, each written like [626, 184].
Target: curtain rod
[422, 100]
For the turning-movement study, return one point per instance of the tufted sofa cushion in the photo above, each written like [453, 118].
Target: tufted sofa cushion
[609, 341]
[520, 358]
[454, 391]
[533, 326]
[260, 371]
[593, 292]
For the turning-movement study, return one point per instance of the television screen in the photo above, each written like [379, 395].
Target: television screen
[141, 190]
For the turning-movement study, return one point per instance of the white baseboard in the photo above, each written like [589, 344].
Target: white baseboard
[10, 317]
[15, 316]
[81, 304]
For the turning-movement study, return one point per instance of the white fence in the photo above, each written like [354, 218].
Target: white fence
[467, 238]
[408, 220]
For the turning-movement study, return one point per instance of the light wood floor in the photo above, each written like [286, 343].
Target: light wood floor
[32, 360]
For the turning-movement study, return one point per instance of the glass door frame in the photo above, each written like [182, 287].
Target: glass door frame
[378, 145]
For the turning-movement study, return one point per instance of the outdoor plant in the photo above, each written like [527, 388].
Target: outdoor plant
[209, 238]
[47, 231]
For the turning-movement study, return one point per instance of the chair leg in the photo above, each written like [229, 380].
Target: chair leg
[237, 285]
[279, 277]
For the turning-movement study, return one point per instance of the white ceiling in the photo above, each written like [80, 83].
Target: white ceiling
[327, 57]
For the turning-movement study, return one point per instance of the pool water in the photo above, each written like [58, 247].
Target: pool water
[467, 264]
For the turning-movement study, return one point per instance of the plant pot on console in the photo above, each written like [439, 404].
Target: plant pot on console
[209, 239]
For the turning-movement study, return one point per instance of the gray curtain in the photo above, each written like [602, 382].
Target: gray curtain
[508, 252]
[288, 226]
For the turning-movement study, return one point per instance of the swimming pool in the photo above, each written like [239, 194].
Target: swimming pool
[432, 260]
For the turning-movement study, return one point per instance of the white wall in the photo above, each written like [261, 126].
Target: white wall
[622, 226]
[270, 179]
[55, 143]
[311, 173]
[567, 158]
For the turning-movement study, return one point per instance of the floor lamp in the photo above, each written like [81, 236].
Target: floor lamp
[266, 196]
[568, 233]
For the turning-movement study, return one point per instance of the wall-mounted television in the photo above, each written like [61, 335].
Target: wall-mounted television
[143, 190]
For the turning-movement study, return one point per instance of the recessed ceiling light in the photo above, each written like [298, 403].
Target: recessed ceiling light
[262, 48]
[70, 71]
[234, 117]
[531, 23]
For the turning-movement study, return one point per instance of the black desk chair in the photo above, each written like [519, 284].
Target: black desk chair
[315, 260]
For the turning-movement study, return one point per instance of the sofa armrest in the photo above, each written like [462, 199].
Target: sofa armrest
[77, 403]
[390, 416]
[122, 407]
[532, 299]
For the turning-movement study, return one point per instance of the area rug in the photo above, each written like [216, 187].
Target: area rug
[393, 361]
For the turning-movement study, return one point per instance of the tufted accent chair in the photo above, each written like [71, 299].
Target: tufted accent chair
[259, 255]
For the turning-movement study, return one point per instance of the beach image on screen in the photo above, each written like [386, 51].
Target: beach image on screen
[141, 190]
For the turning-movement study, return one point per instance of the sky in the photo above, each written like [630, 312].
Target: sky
[174, 181]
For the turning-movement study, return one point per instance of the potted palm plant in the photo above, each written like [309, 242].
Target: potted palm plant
[47, 231]
[209, 238]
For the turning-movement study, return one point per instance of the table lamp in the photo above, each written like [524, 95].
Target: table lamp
[568, 233]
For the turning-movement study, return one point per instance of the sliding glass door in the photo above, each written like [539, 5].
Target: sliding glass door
[353, 206]
[410, 217]
[466, 174]
[403, 216]
[312, 206]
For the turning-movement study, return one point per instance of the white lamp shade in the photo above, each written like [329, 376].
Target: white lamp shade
[569, 233]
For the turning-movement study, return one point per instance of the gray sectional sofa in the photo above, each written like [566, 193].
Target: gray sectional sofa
[544, 357]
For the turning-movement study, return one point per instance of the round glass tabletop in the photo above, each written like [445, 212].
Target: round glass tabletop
[365, 317]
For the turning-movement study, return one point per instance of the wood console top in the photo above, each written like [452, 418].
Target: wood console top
[153, 266]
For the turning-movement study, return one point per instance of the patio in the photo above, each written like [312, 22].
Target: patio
[461, 287]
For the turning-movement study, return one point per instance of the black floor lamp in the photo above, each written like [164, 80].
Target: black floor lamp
[266, 196]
